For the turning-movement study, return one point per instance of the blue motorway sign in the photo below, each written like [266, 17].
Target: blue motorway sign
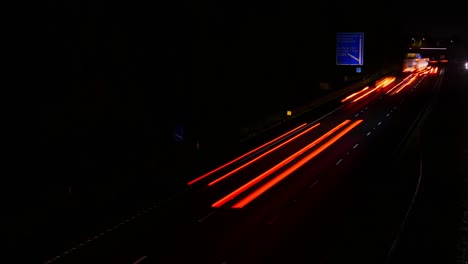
[349, 48]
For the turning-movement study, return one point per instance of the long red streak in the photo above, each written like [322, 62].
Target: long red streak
[262, 176]
[242, 156]
[406, 85]
[364, 95]
[261, 156]
[291, 169]
[354, 94]
[399, 84]
[384, 82]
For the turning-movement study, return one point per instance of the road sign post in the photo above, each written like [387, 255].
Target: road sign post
[350, 48]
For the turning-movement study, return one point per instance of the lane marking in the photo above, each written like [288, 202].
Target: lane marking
[273, 219]
[313, 184]
[139, 260]
[205, 217]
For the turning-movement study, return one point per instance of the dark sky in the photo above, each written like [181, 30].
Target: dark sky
[203, 41]
[442, 19]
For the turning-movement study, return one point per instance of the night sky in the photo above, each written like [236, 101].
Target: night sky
[126, 73]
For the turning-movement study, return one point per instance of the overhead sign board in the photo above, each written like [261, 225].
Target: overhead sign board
[349, 48]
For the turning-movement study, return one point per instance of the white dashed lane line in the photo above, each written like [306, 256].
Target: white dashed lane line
[205, 217]
[139, 260]
[313, 184]
[273, 219]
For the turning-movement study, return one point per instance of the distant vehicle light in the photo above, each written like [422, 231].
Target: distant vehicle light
[466, 65]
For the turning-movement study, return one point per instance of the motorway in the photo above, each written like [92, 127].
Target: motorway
[332, 187]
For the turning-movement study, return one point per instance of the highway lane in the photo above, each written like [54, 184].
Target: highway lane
[433, 232]
[308, 209]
